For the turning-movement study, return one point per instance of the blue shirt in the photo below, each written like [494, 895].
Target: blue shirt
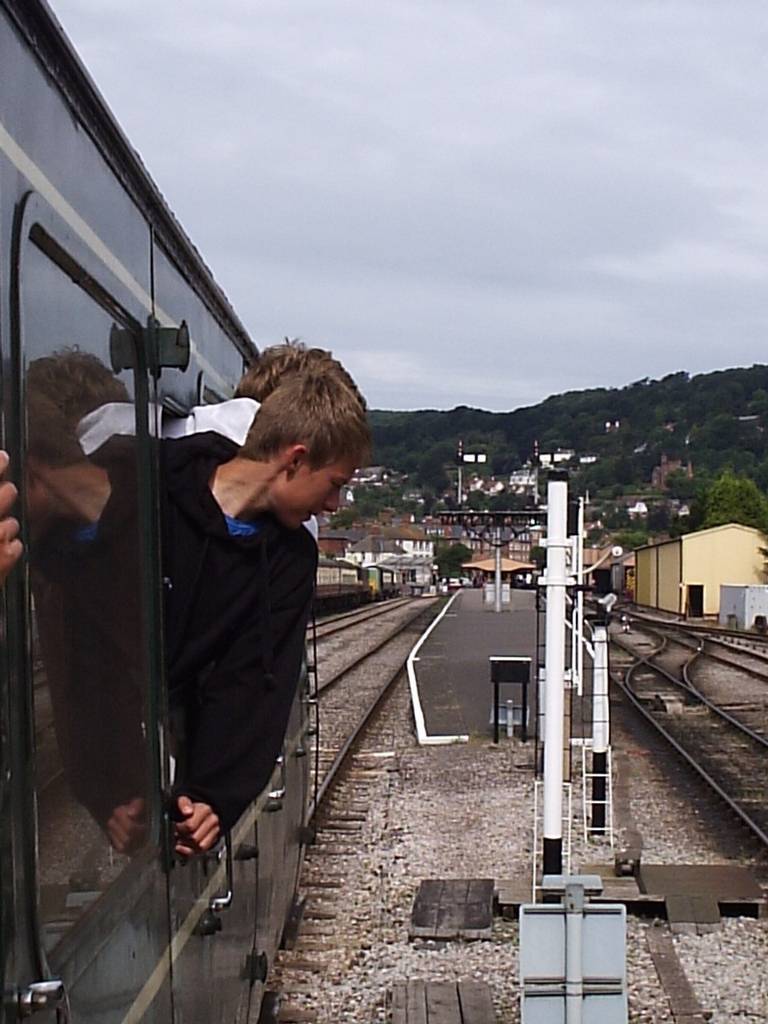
[240, 528]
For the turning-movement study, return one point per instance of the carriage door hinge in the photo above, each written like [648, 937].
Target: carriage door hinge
[164, 346]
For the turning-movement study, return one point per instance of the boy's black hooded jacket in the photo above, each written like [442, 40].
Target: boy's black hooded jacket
[236, 614]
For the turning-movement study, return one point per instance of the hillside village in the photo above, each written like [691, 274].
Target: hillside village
[654, 460]
[416, 544]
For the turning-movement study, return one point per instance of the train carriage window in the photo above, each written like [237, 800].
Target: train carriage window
[89, 648]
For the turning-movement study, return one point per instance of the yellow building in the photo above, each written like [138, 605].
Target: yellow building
[684, 575]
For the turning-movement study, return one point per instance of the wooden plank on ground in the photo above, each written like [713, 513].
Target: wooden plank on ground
[451, 912]
[694, 909]
[727, 882]
[511, 893]
[416, 1002]
[426, 908]
[476, 1003]
[453, 908]
[616, 888]
[682, 999]
[398, 1008]
[478, 913]
[442, 1003]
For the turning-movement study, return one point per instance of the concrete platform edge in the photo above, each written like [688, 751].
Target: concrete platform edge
[418, 712]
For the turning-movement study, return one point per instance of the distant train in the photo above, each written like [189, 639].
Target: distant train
[342, 584]
[382, 582]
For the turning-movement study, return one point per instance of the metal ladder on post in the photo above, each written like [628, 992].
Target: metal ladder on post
[587, 782]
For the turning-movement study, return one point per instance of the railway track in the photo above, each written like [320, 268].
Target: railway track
[756, 642]
[752, 659]
[350, 696]
[354, 754]
[735, 678]
[345, 620]
[727, 752]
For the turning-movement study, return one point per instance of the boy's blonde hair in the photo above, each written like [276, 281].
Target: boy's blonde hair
[276, 363]
[320, 408]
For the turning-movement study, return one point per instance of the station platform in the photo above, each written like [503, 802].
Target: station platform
[452, 671]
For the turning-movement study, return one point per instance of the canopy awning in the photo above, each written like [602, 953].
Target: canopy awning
[507, 565]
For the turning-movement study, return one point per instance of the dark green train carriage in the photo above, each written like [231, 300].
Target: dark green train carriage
[99, 922]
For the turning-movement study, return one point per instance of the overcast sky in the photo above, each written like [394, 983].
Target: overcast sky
[472, 202]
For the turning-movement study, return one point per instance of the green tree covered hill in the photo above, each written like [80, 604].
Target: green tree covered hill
[717, 420]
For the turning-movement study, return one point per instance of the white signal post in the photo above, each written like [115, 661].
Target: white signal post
[600, 727]
[555, 581]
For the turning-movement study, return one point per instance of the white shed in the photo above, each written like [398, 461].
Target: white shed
[740, 605]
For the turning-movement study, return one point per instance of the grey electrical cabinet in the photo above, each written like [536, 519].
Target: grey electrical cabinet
[594, 983]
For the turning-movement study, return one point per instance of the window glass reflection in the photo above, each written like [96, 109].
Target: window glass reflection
[89, 648]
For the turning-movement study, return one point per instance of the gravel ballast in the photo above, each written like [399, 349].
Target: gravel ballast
[467, 811]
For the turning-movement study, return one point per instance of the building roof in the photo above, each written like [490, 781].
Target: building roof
[700, 533]
[405, 532]
[377, 545]
[507, 565]
[337, 563]
[406, 562]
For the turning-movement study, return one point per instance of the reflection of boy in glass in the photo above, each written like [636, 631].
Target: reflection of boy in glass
[10, 545]
[84, 562]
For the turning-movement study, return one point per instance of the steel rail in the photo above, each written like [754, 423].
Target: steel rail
[339, 623]
[755, 673]
[653, 720]
[334, 679]
[371, 708]
[685, 634]
[759, 737]
[713, 631]
[690, 688]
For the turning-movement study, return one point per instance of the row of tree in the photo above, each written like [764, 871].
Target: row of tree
[717, 420]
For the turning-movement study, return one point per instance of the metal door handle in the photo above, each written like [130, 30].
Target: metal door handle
[41, 995]
[275, 800]
[313, 707]
[222, 902]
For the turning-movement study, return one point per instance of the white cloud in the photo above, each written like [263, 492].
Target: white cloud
[497, 201]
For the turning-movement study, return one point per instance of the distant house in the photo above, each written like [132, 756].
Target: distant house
[414, 572]
[412, 539]
[523, 480]
[371, 475]
[335, 542]
[660, 473]
[373, 549]
[638, 511]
